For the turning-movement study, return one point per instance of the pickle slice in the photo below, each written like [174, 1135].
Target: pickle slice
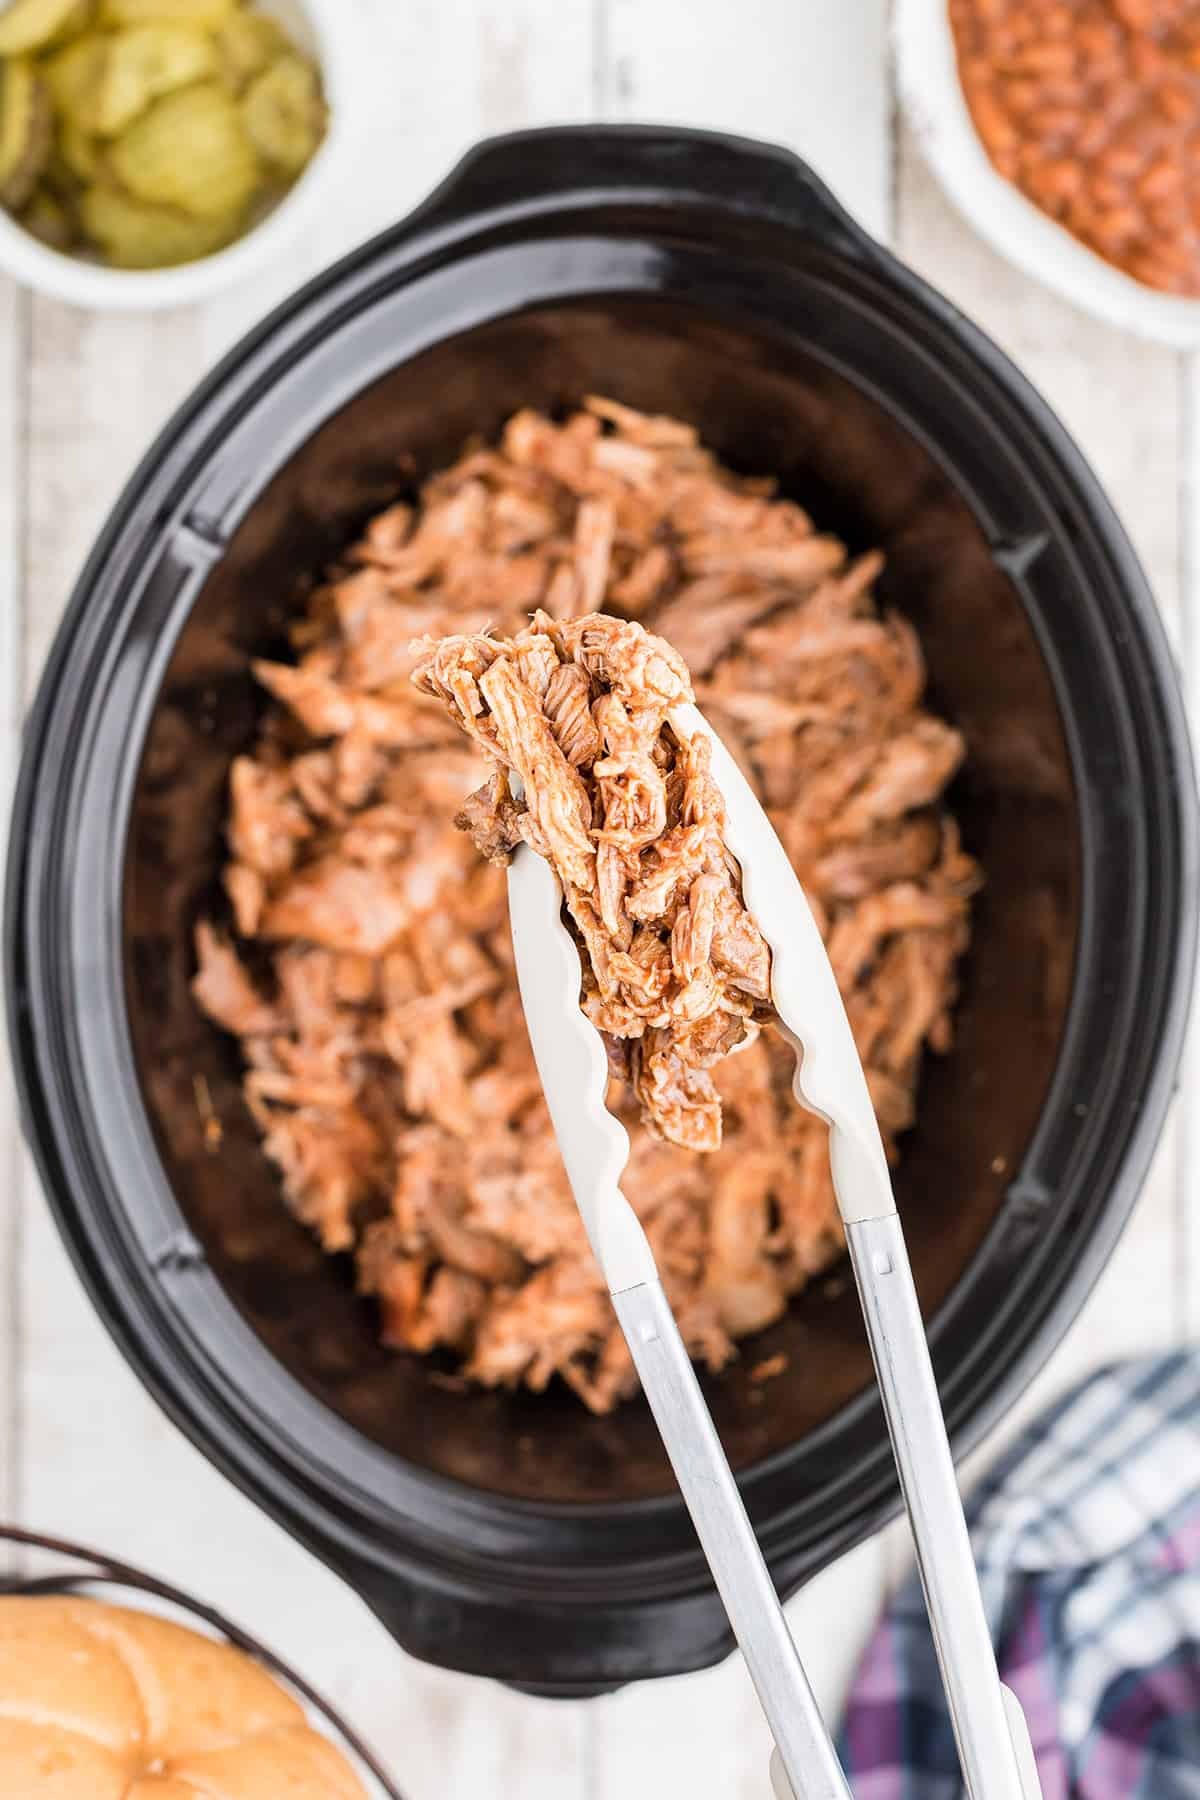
[202, 13]
[29, 24]
[26, 130]
[151, 131]
[285, 113]
[74, 75]
[78, 150]
[58, 177]
[76, 21]
[189, 150]
[48, 220]
[246, 44]
[143, 63]
[133, 235]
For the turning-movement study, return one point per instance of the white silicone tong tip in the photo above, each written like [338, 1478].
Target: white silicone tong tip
[1031, 1786]
[829, 1075]
[573, 1066]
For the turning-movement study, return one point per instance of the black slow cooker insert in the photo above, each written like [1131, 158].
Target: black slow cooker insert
[515, 1535]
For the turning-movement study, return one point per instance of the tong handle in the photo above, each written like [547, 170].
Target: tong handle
[573, 1067]
[993, 1747]
[574, 1071]
[780, 1784]
[805, 1760]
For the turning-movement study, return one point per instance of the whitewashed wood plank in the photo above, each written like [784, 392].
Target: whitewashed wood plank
[1136, 1308]
[1118, 396]
[100, 1460]
[1129, 1313]
[101, 384]
[14, 321]
[104, 1465]
[453, 74]
[1122, 400]
[705, 1734]
[1187, 1206]
[14, 347]
[1187, 1200]
[832, 1617]
[449, 75]
[812, 76]
[692, 1735]
[1133, 1310]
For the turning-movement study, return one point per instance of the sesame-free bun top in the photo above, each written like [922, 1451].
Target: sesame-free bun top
[101, 1703]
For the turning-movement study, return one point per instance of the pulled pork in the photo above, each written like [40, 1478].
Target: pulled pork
[365, 963]
[621, 802]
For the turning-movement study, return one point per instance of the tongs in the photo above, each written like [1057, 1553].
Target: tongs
[989, 1727]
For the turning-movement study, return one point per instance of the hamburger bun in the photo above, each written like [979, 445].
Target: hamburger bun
[100, 1702]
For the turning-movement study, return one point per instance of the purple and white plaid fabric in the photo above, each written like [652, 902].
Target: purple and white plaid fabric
[1087, 1536]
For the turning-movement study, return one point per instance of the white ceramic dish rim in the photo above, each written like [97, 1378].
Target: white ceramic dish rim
[932, 98]
[338, 43]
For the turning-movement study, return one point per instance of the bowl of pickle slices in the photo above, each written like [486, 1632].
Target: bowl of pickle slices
[152, 151]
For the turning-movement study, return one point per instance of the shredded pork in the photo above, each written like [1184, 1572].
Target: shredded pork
[364, 962]
[595, 774]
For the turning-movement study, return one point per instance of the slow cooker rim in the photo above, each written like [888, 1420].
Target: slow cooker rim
[155, 471]
[265, 333]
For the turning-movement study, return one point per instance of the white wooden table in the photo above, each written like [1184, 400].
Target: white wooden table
[82, 1450]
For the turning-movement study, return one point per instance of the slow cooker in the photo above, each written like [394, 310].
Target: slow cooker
[514, 1535]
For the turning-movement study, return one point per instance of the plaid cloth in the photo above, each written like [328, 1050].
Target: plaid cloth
[1087, 1535]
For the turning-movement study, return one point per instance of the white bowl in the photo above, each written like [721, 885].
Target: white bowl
[330, 31]
[933, 100]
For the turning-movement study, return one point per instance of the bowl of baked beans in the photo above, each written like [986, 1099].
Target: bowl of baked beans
[1067, 131]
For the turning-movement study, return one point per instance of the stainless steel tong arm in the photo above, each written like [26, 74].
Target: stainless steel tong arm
[595, 1147]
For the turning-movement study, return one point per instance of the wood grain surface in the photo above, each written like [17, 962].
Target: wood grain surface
[83, 1450]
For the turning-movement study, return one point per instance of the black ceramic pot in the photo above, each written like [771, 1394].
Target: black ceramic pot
[514, 1535]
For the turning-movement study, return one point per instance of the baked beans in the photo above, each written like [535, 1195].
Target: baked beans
[1092, 109]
